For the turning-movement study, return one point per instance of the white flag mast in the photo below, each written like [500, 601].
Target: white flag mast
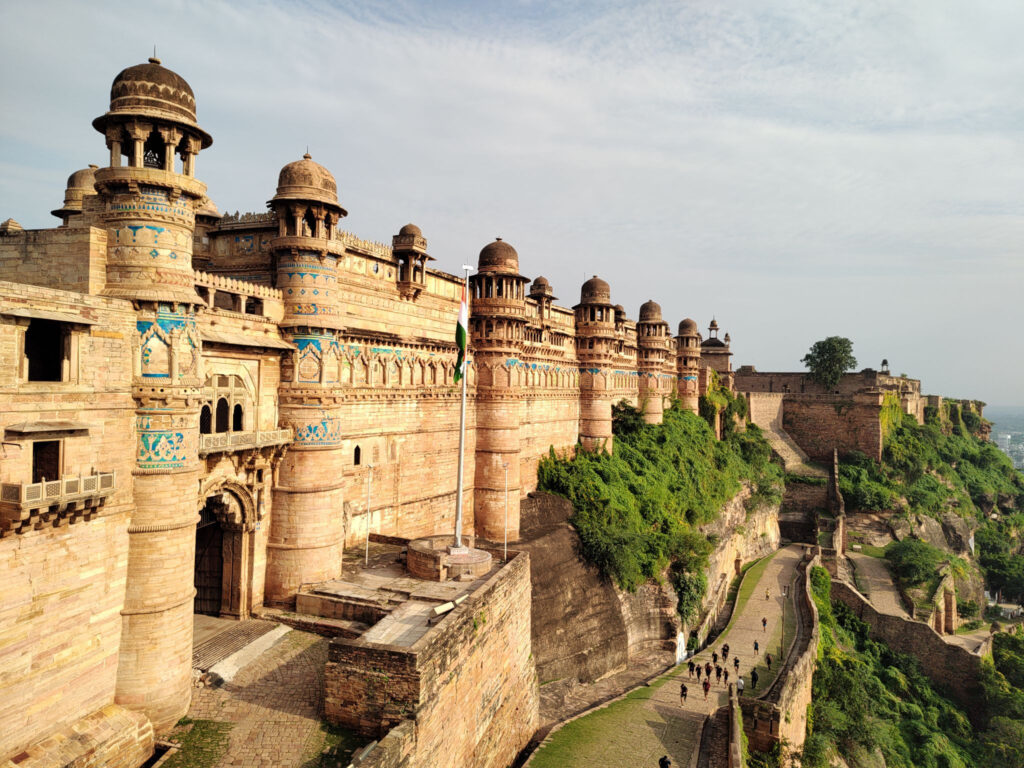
[462, 341]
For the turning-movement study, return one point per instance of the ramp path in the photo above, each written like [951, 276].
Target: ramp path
[650, 721]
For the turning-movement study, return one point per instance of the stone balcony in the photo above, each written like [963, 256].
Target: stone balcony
[25, 506]
[226, 442]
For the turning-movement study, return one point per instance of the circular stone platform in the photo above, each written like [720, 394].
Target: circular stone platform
[429, 558]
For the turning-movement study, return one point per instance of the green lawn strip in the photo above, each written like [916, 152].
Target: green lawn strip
[202, 745]
[750, 579]
[872, 551]
[571, 743]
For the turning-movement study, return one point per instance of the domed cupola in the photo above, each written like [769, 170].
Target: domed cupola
[499, 257]
[80, 184]
[307, 181]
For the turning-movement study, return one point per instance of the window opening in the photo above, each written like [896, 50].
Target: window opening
[237, 419]
[223, 415]
[45, 460]
[45, 348]
[205, 420]
[356, 455]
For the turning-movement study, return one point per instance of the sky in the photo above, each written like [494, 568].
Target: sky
[795, 170]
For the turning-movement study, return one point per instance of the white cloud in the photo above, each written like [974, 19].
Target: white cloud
[799, 169]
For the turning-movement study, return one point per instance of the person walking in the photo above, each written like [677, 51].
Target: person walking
[739, 685]
[764, 623]
[725, 651]
[718, 674]
[707, 670]
[768, 661]
[714, 656]
[736, 663]
[725, 677]
[756, 647]
[767, 593]
[753, 679]
[707, 687]
[665, 762]
[700, 670]
[682, 694]
[691, 666]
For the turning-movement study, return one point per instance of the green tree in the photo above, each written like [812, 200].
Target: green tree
[828, 359]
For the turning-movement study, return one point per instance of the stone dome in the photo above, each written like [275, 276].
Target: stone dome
[650, 312]
[499, 256]
[411, 229]
[714, 325]
[80, 184]
[687, 327]
[307, 180]
[541, 281]
[151, 90]
[595, 291]
[208, 208]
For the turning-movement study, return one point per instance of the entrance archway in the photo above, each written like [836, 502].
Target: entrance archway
[209, 571]
[224, 553]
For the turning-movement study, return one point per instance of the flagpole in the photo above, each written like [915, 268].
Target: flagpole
[462, 424]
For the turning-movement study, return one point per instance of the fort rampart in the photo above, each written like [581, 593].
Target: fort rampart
[948, 666]
[468, 685]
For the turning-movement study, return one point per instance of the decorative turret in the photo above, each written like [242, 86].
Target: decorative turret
[544, 295]
[308, 212]
[688, 364]
[147, 200]
[597, 322]
[497, 323]
[654, 342]
[80, 185]
[307, 528]
[716, 356]
[409, 246]
[150, 199]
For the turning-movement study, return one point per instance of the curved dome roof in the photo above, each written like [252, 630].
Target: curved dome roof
[499, 256]
[687, 327]
[540, 281]
[714, 342]
[650, 311]
[83, 179]
[80, 184]
[308, 181]
[595, 291]
[411, 229]
[151, 90]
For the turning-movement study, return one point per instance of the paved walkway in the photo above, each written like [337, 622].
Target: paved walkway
[873, 573]
[273, 703]
[650, 722]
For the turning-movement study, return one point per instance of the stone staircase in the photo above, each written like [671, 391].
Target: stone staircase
[793, 458]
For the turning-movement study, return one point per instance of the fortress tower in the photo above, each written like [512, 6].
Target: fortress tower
[654, 341]
[688, 364]
[308, 519]
[496, 324]
[148, 195]
[595, 348]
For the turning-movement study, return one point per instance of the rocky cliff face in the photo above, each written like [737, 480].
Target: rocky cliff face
[584, 627]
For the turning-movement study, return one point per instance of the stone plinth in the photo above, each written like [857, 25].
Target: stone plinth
[429, 558]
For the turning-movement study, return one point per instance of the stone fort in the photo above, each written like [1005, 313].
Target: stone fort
[195, 408]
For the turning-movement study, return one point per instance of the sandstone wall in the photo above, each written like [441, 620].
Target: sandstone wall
[469, 683]
[765, 409]
[64, 582]
[111, 737]
[71, 259]
[821, 424]
[948, 666]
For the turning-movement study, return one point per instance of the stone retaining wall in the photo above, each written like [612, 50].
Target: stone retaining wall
[469, 684]
[948, 666]
[111, 737]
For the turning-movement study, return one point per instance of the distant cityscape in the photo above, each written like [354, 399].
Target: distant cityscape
[1008, 432]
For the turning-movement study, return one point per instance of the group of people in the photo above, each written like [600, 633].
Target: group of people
[721, 671]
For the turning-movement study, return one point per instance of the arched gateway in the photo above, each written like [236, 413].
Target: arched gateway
[224, 551]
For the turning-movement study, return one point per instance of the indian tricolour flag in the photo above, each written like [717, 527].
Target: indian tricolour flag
[460, 336]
